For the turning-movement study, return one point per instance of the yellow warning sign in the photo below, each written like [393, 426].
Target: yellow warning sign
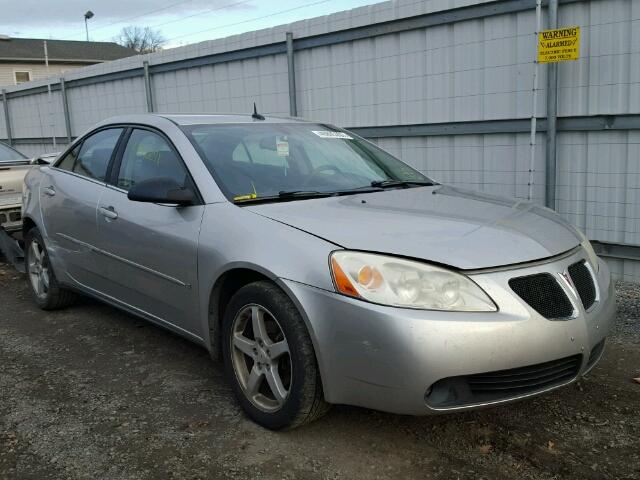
[559, 45]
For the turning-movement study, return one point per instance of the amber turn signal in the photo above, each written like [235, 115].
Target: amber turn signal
[343, 284]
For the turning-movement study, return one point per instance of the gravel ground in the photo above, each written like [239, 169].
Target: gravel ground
[627, 327]
[90, 392]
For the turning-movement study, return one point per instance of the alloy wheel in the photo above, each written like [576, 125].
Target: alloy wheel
[38, 269]
[261, 358]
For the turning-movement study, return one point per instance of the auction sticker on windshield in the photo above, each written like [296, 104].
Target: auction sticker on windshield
[282, 146]
[329, 134]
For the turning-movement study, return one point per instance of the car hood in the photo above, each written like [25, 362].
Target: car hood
[442, 224]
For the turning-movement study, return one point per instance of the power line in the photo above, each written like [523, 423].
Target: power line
[135, 16]
[221, 7]
[251, 19]
[200, 13]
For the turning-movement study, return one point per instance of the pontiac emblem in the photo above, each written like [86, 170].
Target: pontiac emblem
[567, 278]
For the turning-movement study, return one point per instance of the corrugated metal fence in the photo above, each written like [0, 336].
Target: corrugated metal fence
[444, 84]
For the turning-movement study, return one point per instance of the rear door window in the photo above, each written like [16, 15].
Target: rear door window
[95, 154]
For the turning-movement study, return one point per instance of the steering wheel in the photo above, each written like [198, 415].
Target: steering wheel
[325, 168]
[319, 170]
[237, 180]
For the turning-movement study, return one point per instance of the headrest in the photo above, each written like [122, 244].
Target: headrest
[219, 147]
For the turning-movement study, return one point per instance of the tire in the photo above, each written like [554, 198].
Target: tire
[46, 291]
[252, 362]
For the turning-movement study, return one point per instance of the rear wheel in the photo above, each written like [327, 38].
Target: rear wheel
[45, 288]
[269, 358]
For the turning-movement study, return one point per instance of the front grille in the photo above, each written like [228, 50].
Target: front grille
[3, 218]
[14, 216]
[583, 281]
[502, 384]
[521, 380]
[543, 293]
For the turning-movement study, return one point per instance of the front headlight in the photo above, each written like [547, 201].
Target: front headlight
[403, 283]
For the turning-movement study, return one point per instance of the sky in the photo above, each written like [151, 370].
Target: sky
[181, 22]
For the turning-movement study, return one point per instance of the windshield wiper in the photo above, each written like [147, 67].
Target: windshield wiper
[285, 195]
[376, 186]
[333, 193]
[401, 183]
[356, 190]
[303, 194]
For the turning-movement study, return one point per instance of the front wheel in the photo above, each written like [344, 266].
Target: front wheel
[269, 358]
[48, 294]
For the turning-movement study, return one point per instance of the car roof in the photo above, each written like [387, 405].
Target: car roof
[197, 119]
[211, 119]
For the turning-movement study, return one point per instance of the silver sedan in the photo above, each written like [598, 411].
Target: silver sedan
[317, 266]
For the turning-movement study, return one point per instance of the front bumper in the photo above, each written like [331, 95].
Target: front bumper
[10, 212]
[11, 219]
[389, 358]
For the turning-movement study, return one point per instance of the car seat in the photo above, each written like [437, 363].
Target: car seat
[218, 150]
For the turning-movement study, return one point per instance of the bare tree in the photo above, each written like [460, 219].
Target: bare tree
[142, 40]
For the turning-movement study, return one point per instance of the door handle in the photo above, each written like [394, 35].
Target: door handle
[109, 212]
[50, 191]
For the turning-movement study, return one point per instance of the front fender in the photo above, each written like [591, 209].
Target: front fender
[232, 237]
[31, 200]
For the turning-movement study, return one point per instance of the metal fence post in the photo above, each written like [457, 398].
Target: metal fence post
[534, 103]
[147, 86]
[65, 109]
[293, 107]
[552, 113]
[7, 119]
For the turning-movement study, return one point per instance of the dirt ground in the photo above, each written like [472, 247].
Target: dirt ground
[92, 393]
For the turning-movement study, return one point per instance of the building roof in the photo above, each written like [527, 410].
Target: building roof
[60, 51]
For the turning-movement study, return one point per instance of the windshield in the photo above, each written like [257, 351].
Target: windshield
[254, 161]
[8, 154]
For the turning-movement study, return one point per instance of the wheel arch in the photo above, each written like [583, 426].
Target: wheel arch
[226, 285]
[27, 224]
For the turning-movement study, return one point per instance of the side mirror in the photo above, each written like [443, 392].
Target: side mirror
[44, 159]
[162, 190]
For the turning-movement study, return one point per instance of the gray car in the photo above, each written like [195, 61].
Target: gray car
[317, 266]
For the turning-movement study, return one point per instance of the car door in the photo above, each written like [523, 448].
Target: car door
[69, 194]
[150, 250]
